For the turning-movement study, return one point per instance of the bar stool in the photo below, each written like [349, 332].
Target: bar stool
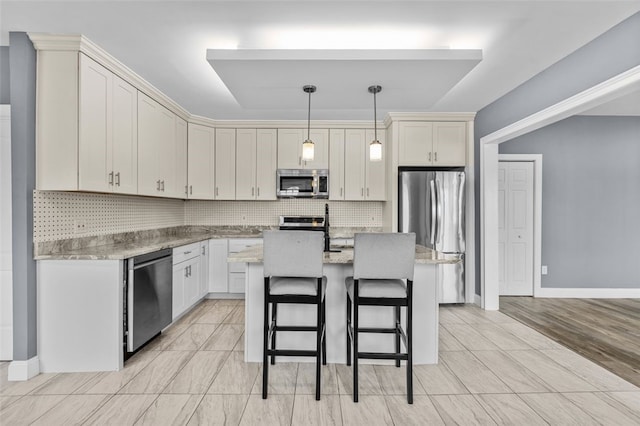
[383, 265]
[293, 263]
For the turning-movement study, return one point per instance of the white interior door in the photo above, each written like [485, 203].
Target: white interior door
[6, 277]
[515, 227]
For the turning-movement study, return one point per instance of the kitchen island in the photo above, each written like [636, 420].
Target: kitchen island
[337, 266]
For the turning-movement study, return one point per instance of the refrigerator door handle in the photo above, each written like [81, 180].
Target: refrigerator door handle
[461, 207]
[433, 213]
[439, 200]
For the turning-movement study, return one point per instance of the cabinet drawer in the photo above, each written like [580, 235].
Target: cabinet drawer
[180, 254]
[236, 282]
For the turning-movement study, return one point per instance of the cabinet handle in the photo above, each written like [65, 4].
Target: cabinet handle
[299, 160]
[186, 272]
[111, 178]
[258, 191]
[367, 192]
[429, 156]
[252, 191]
[187, 252]
[435, 156]
[341, 192]
[190, 189]
[158, 185]
[216, 191]
[186, 190]
[118, 179]
[362, 192]
[203, 250]
[163, 185]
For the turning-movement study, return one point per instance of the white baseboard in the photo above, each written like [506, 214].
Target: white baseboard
[589, 293]
[24, 370]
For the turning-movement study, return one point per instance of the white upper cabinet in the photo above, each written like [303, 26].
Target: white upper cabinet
[290, 149]
[432, 143]
[201, 160]
[256, 164]
[179, 176]
[225, 164]
[86, 126]
[363, 179]
[336, 164]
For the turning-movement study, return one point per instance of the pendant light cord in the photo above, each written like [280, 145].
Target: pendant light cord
[375, 118]
[309, 117]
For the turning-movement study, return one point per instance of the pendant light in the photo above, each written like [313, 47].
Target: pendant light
[375, 147]
[308, 145]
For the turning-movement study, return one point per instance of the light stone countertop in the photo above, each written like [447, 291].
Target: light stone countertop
[424, 255]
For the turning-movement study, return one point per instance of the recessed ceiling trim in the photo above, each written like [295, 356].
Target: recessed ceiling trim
[344, 54]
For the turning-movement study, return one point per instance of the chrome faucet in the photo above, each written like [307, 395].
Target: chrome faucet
[327, 240]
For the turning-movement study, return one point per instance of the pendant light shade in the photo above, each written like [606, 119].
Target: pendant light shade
[308, 145]
[375, 147]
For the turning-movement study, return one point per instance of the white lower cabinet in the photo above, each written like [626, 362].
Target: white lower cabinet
[186, 277]
[227, 278]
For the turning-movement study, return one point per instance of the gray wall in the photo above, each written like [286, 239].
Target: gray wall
[4, 75]
[613, 52]
[590, 200]
[23, 150]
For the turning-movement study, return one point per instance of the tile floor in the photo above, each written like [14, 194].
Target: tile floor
[492, 370]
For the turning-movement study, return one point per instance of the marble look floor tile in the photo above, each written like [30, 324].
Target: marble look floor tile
[589, 371]
[224, 338]
[511, 372]
[5, 401]
[370, 410]
[198, 374]
[551, 373]
[461, 410]
[630, 399]
[421, 412]
[220, 410]
[498, 317]
[558, 410]
[393, 380]
[235, 376]
[306, 380]
[74, 409]
[437, 379]
[446, 341]
[282, 379]
[500, 337]
[27, 386]
[236, 316]
[530, 336]
[112, 381]
[509, 409]
[216, 314]
[155, 376]
[170, 410]
[447, 316]
[470, 338]
[121, 410]
[367, 380]
[193, 337]
[167, 337]
[605, 411]
[276, 410]
[473, 374]
[470, 314]
[195, 313]
[308, 411]
[64, 383]
[28, 408]
[240, 344]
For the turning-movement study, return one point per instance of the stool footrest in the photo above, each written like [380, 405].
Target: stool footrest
[382, 355]
[294, 328]
[378, 330]
[291, 352]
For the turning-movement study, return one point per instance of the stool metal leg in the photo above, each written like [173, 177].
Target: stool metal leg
[409, 342]
[355, 341]
[318, 337]
[265, 344]
[348, 328]
[324, 332]
[274, 320]
[397, 312]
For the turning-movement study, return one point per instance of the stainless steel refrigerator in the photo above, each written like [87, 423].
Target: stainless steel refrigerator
[432, 204]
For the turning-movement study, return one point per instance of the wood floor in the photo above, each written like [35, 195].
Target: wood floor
[606, 331]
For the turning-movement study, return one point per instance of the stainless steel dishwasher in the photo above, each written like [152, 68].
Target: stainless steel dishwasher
[149, 288]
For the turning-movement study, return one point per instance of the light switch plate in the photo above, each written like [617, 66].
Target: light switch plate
[544, 269]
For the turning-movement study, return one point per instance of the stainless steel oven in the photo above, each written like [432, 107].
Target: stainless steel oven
[149, 297]
[302, 183]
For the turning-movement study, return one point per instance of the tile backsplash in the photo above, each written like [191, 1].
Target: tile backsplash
[63, 215]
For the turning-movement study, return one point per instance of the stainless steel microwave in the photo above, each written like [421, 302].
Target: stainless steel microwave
[302, 183]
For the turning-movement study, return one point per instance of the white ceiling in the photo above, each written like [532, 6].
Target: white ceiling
[166, 43]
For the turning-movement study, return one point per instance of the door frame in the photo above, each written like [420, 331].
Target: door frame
[6, 302]
[599, 94]
[536, 159]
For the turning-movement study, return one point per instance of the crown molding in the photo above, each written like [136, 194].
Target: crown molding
[428, 116]
[282, 124]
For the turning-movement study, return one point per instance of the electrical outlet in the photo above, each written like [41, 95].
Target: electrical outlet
[544, 270]
[79, 226]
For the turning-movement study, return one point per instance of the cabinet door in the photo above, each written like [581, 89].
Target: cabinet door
[237, 282]
[200, 168]
[266, 164]
[376, 184]
[320, 138]
[95, 115]
[125, 137]
[225, 169]
[204, 269]
[179, 184]
[415, 143]
[149, 145]
[336, 164]
[290, 148]
[354, 160]
[218, 272]
[179, 277]
[166, 151]
[246, 164]
[449, 144]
